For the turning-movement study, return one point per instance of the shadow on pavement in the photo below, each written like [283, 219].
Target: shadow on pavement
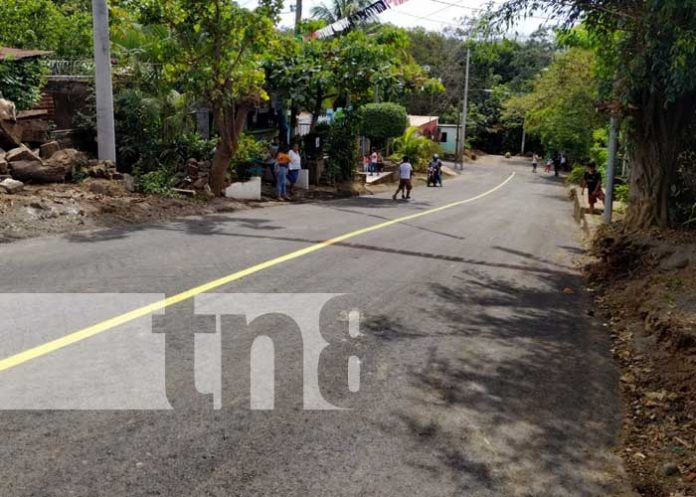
[528, 406]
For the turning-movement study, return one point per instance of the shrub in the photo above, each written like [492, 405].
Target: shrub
[249, 150]
[157, 182]
[419, 149]
[621, 192]
[21, 81]
[508, 155]
[576, 174]
[342, 148]
[380, 121]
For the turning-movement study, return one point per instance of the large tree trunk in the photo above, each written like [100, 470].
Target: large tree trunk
[656, 135]
[230, 121]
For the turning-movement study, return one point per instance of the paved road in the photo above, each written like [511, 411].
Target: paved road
[479, 375]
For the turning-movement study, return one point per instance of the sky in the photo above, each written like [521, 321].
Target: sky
[433, 15]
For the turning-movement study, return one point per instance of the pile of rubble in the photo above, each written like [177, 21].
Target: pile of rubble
[197, 177]
[47, 163]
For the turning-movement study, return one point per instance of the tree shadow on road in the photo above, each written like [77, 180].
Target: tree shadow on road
[527, 403]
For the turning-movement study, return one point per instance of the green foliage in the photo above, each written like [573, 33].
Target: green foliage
[379, 121]
[499, 68]
[576, 174]
[647, 74]
[64, 27]
[337, 9]
[248, 151]
[342, 148]
[419, 149]
[336, 70]
[599, 152]
[560, 109]
[156, 182]
[21, 81]
[219, 46]
[621, 192]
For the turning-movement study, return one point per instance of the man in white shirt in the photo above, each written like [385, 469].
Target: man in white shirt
[405, 174]
[294, 167]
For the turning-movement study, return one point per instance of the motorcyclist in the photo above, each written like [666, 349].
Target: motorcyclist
[435, 171]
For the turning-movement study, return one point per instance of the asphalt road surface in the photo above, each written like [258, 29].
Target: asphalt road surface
[478, 375]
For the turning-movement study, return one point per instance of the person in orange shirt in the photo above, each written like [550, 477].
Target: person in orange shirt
[283, 161]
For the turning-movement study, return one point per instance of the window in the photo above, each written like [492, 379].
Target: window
[443, 137]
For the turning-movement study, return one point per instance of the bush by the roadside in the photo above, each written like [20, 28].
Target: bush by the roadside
[419, 149]
[380, 121]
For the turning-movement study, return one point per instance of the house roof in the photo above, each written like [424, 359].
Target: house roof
[16, 53]
[419, 121]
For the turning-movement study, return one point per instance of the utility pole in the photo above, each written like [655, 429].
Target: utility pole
[465, 105]
[106, 139]
[298, 16]
[524, 135]
[611, 166]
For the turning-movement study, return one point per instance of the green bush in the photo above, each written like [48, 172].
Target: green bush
[621, 192]
[380, 121]
[342, 148]
[419, 149]
[157, 182]
[21, 81]
[249, 150]
[576, 174]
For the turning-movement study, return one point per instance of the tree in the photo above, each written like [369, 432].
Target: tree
[61, 27]
[648, 48]
[560, 109]
[345, 71]
[337, 9]
[380, 121]
[219, 50]
[499, 67]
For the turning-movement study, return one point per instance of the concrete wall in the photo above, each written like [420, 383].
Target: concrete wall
[449, 145]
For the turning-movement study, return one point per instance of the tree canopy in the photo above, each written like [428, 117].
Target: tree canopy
[647, 56]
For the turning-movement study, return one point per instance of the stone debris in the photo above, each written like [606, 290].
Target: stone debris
[11, 186]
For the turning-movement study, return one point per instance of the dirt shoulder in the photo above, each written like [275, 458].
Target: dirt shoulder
[645, 287]
[41, 210]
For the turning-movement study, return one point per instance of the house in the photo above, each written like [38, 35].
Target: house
[427, 125]
[448, 138]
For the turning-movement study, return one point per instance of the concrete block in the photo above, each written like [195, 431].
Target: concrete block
[303, 179]
[247, 190]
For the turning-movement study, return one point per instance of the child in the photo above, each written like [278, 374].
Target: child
[592, 180]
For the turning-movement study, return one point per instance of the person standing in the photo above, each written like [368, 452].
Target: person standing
[294, 167]
[592, 180]
[283, 161]
[564, 162]
[405, 174]
[535, 162]
[556, 164]
[374, 159]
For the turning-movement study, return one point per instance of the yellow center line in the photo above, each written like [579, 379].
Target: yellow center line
[90, 331]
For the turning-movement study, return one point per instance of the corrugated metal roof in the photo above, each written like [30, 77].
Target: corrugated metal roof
[16, 53]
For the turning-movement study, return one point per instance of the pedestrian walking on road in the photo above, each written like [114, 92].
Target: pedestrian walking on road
[405, 174]
[294, 167]
[556, 164]
[592, 180]
[535, 162]
[283, 161]
[564, 162]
